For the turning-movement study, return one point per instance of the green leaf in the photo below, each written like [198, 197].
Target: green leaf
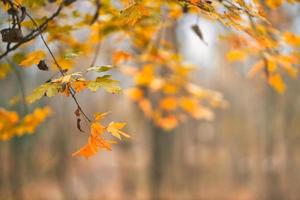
[93, 86]
[100, 69]
[108, 84]
[105, 82]
[72, 54]
[49, 89]
[53, 89]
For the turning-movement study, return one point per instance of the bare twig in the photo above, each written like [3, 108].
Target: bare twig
[71, 90]
[21, 85]
[96, 15]
[34, 33]
[38, 31]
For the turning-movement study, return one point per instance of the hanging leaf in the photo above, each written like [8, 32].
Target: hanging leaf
[114, 129]
[78, 125]
[43, 66]
[198, 32]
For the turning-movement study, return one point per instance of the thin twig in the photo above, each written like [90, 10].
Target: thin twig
[34, 33]
[71, 90]
[96, 54]
[21, 85]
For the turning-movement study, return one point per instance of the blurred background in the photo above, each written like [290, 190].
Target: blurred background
[250, 151]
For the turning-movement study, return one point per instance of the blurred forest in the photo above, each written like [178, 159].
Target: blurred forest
[250, 151]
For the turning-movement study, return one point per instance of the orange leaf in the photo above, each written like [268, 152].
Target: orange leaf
[236, 55]
[86, 151]
[97, 129]
[120, 56]
[168, 103]
[277, 83]
[136, 94]
[168, 123]
[79, 85]
[32, 58]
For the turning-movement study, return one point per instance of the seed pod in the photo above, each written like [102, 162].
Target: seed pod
[43, 66]
[10, 35]
[77, 112]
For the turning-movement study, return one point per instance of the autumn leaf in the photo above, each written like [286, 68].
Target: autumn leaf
[114, 129]
[105, 82]
[257, 67]
[168, 123]
[120, 56]
[93, 146]
[168, 103]
[236, 55]
[97, 129]
[133, 14]
[274, 3]
[136, 94]
[277, 83]
[79, 85]
[11, 125]
[292, 38]
[32, 58]
[48, 89]
[86, 151]
[100, 69]
[100, 116]
[146, 107]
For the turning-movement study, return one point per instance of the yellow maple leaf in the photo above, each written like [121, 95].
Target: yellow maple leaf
[277, 83]
[114, 129]
[292, 38]
[274, 3]
[133, 14]
[97, 129]
[168, 123]
[32, 58]
[168, 103]
[120, 56]
[146, 107]
[100, 116]
[136, 94]
[11, 125]
[236, 55]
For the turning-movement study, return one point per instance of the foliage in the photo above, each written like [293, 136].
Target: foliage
[162, 85]
[11, 125]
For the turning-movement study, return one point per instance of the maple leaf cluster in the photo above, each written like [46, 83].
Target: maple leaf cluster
[96, 140]
[162, 85]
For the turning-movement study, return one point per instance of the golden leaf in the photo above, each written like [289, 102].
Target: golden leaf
[136, 94]
[277, 83]
[168, 103]
[97, 129]
[120, 56]
[32, 58]
[114, 129]
[236, 55]
[168, 123]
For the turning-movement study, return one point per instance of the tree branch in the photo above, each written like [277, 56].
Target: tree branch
[33, 34]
